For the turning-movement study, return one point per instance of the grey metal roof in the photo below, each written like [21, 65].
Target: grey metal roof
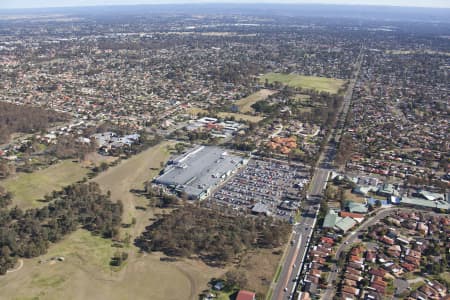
[199, 170]
[331, 219]
[441, 204]
[346, 224]
[355, 207]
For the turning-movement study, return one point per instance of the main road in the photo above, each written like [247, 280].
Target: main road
[302, 232]
[294, 257]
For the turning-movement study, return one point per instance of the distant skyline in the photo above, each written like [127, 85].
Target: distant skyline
[71, 3]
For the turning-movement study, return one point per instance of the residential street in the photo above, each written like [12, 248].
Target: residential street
[348, 240]
[352, 238]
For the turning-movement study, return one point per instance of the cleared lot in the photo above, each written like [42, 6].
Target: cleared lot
[259, 268]
[245, 104]
[196, 111]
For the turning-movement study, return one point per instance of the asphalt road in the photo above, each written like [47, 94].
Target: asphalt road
[318, 182]
[293, 263]
[328, 154]
[295, 255]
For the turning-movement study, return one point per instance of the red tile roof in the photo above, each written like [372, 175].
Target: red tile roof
[409, 267]
[379, 281]
[344, 214]
[377, 272]
[245, 295]
[387, 240]
[327, 240]
[354, 258]
[380, 289]
[350, 290]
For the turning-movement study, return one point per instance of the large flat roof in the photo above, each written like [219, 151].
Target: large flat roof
[199, 169]
[441, 204]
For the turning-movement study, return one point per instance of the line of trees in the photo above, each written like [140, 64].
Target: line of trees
[5, 197]
[29, 233]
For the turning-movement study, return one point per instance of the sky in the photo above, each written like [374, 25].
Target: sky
[64, 3]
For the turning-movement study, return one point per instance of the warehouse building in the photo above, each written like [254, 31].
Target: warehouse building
[199, 171]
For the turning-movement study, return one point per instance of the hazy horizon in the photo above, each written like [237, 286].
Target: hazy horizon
[19, 4]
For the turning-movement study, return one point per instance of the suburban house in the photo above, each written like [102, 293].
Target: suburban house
[245, 295]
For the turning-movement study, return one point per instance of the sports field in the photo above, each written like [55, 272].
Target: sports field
[27, 188]
[321, 84]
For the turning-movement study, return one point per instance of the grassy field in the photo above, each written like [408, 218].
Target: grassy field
[321, 84]
[348, 195]
[245, 104]
[227, 295]
[27, 188]
[243, 117]
[302, 98]
[95, 159]
[416, 285]
[131, 174]
[85, 273]
[83, 246]
[77, 279]
[260, 267]
[196, 111]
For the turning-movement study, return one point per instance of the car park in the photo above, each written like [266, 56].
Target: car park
[270, 184]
